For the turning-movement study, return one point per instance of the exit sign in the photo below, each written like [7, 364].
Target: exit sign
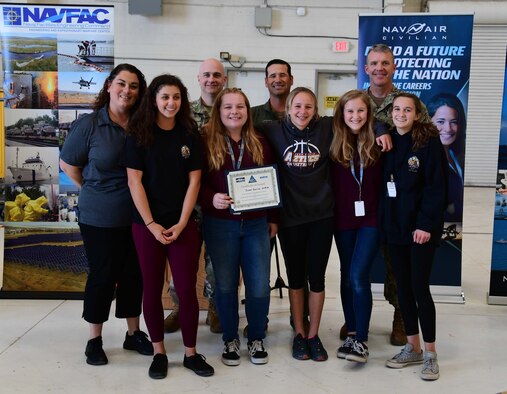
[341, 46]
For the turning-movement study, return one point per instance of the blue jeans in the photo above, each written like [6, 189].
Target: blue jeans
[234, 245]
[357, 250]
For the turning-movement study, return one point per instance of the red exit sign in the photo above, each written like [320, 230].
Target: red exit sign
[341, 46]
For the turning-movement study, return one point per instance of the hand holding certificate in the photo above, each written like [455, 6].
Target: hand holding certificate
[253, 189]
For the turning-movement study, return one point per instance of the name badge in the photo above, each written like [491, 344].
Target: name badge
[359, 208]
[391, 189]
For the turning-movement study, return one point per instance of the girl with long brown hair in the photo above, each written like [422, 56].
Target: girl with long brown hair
[236, 241]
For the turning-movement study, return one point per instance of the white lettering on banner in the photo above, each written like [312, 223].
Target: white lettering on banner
[416, 28]
[67, 15]
[437, 74]
[414, 62]
[440, 51]
[19, 15]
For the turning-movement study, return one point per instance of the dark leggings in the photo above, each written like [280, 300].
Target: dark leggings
[183, 255]
[412, 268]
[306, 249]
[112, 262]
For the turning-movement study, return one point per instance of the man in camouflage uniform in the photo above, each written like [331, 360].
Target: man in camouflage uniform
[380, 67]
[211, 79]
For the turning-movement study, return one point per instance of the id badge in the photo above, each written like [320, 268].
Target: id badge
[359, 208]
[391, 189]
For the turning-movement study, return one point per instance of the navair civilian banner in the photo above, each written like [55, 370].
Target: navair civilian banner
[432, 57]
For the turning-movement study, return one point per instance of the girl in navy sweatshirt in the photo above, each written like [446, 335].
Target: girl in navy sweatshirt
[412, 220]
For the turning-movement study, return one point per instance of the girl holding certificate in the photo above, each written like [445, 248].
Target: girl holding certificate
[356, 173]
[236, 241]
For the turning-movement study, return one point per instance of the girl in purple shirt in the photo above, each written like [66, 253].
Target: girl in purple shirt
[356, 175]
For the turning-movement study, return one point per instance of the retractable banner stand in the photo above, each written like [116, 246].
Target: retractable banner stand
[55, 61]
[432, 56]
[498, 281]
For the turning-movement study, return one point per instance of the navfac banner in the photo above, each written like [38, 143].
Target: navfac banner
[55, 61]
[432, 56]
[498, 280]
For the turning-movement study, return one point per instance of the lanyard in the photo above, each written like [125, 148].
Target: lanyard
[236, 164]
[353, 171]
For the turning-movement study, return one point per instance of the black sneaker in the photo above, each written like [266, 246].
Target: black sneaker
[346, 348]
[258, 354]
[158, 367]
[359, 352]
[317, 351]
[139, 342]
[94, 353]
[230, 355]
[198, 364]
[300, 349]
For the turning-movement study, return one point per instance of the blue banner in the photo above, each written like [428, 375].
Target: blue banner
[432, 57]
[498, 279]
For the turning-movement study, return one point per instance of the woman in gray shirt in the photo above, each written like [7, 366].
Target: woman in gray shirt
[91, 159]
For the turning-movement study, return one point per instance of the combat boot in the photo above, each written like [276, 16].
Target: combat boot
[398, 336]
[172, 321]
[212, 319]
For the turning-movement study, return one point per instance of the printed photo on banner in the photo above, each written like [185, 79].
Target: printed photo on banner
[27, 52]
[35, 127]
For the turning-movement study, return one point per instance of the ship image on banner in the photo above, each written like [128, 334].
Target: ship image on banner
[33, 170]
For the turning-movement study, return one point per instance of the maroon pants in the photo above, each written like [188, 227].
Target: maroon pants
[183, 255]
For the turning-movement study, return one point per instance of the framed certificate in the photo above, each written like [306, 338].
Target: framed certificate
[253, 188]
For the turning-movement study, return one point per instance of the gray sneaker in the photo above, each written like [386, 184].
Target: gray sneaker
[406, 357]
[430, 369]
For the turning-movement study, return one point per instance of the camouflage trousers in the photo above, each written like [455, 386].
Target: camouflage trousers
[209, 279]
[390, 290]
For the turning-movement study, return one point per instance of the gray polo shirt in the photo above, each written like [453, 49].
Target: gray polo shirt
[96, 144]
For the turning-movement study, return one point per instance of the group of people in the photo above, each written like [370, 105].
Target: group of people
[86, 48]
[151, 166]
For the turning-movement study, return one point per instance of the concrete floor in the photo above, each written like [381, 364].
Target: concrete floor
[42, 343]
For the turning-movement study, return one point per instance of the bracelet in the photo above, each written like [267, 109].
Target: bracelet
[147, 224]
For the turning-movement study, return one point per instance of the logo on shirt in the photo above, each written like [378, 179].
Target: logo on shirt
[413, 164]
[185, 152]
[301, 154]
